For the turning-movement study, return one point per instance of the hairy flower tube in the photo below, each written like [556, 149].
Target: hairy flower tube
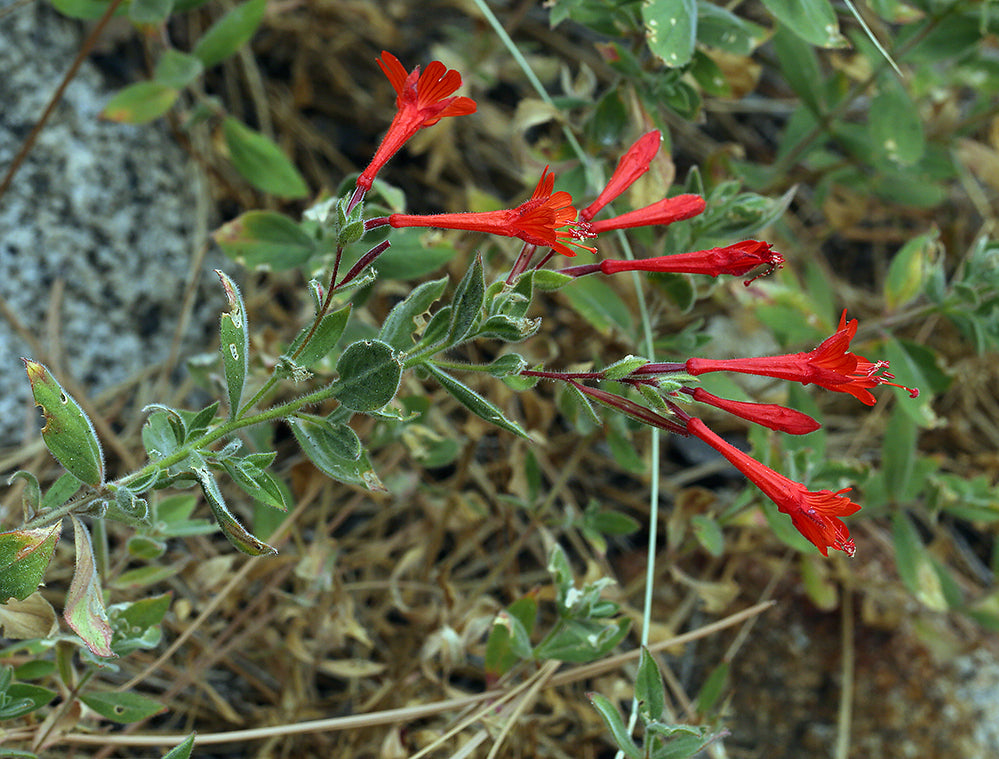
[770, 415]
[547, 220]
[737, 259]
[815, 514]
[830, 365]
[665, 211]
[422, 100]
[632, 165]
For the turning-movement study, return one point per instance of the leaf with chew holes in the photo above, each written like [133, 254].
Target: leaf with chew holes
[234, 343]
[68, 433]
[24, 557]
[85, 611]
[122, 707]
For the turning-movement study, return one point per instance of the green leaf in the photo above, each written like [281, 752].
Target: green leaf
[261, 162]
[508, 643]
[581, 641]
[412, 256]
[671, 29]
[265, 240]
[708, 534]
[85, 611]
[323, 339]
[260, 485]
[800, 66]
[235, 533]
[149, 11]
[813, 20]
[507, 364]
[31, 495]
[615, 723]
[229, 32]
[68, 433]
[24, 557]
[474, 402]
[399, 325]
[177, 69]
[182, 750]
[234, 343]
[467, 303]
[86, 10]
[899, 454]
[319, 441]
[549, 280]
[720, 28]
[140, 103]
[712, 689]
[122, 707]
[31, 697]
[914, 565]
[598, 303]
[369, 375]
[895, 126]
[649, 688]
[909, 269]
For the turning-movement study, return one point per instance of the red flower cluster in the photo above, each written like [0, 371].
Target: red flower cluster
[549, 220]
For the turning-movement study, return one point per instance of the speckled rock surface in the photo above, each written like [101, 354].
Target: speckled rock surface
[106, 208]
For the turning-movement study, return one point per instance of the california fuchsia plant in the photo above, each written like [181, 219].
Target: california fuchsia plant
[202, 448]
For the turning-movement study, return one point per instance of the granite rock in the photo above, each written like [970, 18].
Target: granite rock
[106, 208]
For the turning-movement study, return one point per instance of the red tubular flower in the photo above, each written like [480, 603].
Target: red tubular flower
[547, 219]
[666, 211]
[422, 100]
[737, 259]
[770, 415]
[814, 513]
[632, 165]
[830, 365]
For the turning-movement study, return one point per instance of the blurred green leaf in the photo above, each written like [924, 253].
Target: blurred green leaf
[720, 28]
[895, 125]
[149, 11]
[261, 162]
[226, 35]
[671, 29]
[914, 565]
[714, 686]
[414, 253]
[598, 303]
[263, 239]
[813, 20]
[177, 69]
[140, 103]
[708, 534]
